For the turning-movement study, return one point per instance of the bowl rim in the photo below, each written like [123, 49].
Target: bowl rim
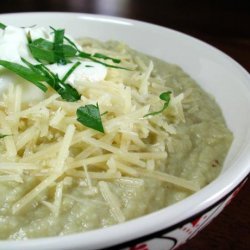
[136, 228]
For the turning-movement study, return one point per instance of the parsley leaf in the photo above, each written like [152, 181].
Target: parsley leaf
[89, 116]
[66, 91]
[29, 37]
[40, 73]
[58, 52]
[101, 56]
[2, 136]
[58, 46]
[71, 70]
[165, 96]
[2, 26]
[42, 49]
[26, 73]
[104, 113]
[83, 55]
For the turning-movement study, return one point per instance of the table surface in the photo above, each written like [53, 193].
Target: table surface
[224, 24]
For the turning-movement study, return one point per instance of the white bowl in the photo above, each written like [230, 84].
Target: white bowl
[218, 74]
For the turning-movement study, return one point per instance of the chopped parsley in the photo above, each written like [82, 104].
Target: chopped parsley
[27, 73]
[89, 116]
[165, 96]
[3, 136]
[104, 113]
[71, 70]
[61, 51]
[66, 91]
[2, 26]
[58, 47]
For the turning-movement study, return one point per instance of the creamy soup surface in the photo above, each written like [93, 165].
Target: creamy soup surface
[136, 135]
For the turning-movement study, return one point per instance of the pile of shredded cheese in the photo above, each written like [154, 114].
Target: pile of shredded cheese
[47, 143]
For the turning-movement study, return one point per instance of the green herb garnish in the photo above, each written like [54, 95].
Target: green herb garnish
[58, 46]
[26, 73]
[2, 26]
[29, 37]
[104, 113]
[84, 55]
[165, 96]
[71, 70]
[44, 50]
[89, 116]
[66, 91]
[101, 56]
[58, 52]
[3, 136]
[40, 73]
[87, 55]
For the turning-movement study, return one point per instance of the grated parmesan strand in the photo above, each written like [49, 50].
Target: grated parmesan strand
[58, 198]
[64, 150]
[112, 201]
[34, 193]
[177, 181]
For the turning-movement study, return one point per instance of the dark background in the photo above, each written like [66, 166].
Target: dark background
[222, 23]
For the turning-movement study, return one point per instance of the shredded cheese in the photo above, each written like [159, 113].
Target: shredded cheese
[47, 143]
[111, 199]
[58, 198]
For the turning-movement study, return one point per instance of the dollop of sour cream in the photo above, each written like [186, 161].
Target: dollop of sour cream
[14, 46]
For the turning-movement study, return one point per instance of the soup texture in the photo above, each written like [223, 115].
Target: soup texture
[144, 136]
